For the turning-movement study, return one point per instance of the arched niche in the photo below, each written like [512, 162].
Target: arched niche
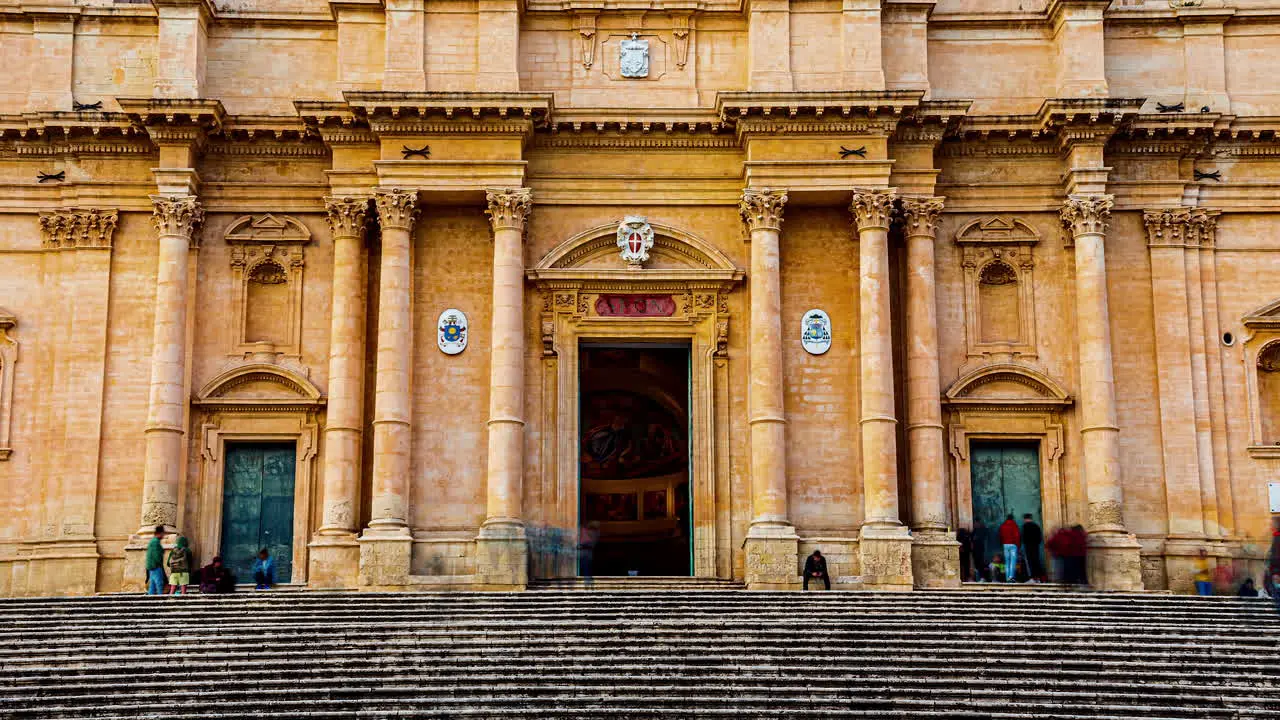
[998, 257]
[252, 403]
[267, 261]
[681, 294]
[1007, 402]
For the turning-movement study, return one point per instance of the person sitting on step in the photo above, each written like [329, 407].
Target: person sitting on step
[815, 567]
[264, 569]
[996, 568]
[216, 578]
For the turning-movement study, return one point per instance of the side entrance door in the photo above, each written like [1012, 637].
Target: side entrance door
[1006, 481]
[257, 507]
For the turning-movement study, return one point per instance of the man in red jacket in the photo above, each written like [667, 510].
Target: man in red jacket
[1010, 537]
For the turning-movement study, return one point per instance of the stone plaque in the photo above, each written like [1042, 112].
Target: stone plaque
[815, 332]
[635, 306]
[453, 331]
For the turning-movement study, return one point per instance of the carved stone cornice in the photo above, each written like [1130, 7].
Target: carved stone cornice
[920, 214]
[347, 215]
[77, 228]
[179, 215]
[872, 207]
[762, 209]
[176, 121]
[508, 208]
[1086, 214]
[396, 208]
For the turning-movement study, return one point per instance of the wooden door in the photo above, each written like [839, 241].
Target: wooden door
[257, 507]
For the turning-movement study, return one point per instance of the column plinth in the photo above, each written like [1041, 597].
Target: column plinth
[935, 554]
[884, 542]
[176, 219]
[1114, 562]
[501, 548]
[335, 554]
[772, 545]
[385, 545]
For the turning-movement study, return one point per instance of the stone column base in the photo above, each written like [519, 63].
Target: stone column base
[502, 563]
[384, 558]
[1115, 562]
[935, 560]
[886, 557]
[772, 557]
[334, 562]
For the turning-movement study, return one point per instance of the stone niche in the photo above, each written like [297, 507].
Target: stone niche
[1261, 355]
[267, 260]
[999, 288]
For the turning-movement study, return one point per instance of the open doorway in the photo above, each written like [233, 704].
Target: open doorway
[634, 457]
[1006, 482]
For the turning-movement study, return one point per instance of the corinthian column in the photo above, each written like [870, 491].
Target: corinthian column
[176, 220]
[334, 552]
[771, 544]
[935, 555]
[885, 543]
[385, 544]
[1114, 554]
[501, 550]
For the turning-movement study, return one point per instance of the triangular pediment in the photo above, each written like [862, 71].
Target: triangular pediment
[1267, 316]
[998, 230]
[267, 229]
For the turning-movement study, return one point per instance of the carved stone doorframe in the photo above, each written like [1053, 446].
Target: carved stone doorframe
[570, 280]
[1007, 402]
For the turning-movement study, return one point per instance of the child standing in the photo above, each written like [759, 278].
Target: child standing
[180, 566]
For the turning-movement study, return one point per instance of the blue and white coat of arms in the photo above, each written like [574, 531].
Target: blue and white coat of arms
[453, 332]
[815, 332]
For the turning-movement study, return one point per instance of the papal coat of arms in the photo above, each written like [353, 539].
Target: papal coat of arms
[633, 59]
[815, 332]
[453, 332]
[635, 237]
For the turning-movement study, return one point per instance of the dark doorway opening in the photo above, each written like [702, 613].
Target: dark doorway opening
[633, 458]
[257, 507]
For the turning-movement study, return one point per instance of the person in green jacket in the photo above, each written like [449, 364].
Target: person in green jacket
[155, 563]
[180, 566]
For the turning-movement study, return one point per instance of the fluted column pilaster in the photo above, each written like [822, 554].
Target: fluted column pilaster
[935, 556]
[771, 539]
[333, 550]
[176, 219]
[884, 543]
[1114, 558]
[384, 559]
[501, 546]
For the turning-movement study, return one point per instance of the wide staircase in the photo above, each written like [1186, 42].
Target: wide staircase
[639, 653]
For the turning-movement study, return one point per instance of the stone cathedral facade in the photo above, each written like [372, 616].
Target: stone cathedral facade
[410, 293]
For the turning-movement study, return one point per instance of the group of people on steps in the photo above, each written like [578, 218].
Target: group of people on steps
[170, 572]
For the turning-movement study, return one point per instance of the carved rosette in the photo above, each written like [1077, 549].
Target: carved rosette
[920, 214]
[872, 208]
[762, 209]
[347, 215]
[75, 228]
[179, 215]
[508, 208]
[1087, 214]
[396, 208]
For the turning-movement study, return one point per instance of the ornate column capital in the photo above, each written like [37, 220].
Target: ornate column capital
[1167, 226]
[396, 208]
[73, 228]
[920, 214]
[1202, 227]
[347, 215]
[762, 209]
[179, 215]
[508, 207]
[1087, 214]
[872, 207]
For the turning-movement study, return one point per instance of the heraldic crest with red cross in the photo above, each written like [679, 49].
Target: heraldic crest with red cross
[635, 238]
